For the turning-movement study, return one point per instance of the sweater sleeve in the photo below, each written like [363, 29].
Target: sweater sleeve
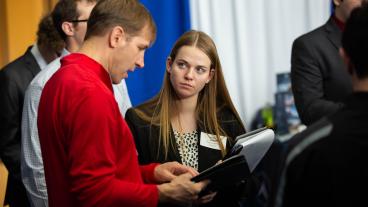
[103, 165]
[147, 172]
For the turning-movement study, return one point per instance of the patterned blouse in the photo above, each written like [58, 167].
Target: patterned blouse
[188, 148]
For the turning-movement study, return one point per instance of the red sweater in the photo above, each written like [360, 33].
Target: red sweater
[88, 151]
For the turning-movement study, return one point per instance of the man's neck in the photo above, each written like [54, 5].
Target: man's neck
[339, 15]
[72, 46]
[360, 85]
[94, 50]
[339, 23]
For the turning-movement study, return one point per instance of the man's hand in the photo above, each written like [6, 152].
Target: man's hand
[181, 190]
[168, 171]
[205, 199]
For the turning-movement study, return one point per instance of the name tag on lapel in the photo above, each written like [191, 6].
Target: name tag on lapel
[209, 140]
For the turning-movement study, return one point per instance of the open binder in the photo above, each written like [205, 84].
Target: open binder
[240, 161]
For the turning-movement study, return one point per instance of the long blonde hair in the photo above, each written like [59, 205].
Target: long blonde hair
[212, 98]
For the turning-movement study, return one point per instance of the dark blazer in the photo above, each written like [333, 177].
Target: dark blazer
[14, 80]
[320, 81]
[146, 137]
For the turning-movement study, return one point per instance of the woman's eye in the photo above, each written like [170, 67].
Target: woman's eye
[201, 70]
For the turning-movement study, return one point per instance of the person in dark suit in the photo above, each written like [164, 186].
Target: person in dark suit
[326, 164]
[14, 79]
[192, 120]
[319, 81]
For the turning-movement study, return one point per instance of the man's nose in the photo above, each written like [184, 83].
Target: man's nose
[140, 62]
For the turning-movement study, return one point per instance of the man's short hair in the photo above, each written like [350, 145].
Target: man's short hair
[131, 15]
[64, 11]
[48, 36]
[355, 40]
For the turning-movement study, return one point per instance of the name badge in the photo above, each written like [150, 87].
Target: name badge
[210, 141]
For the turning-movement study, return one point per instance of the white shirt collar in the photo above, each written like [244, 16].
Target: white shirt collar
[64, 52]
[39, 59]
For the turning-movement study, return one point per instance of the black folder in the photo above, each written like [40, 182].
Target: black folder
[229, 172]
[240, 161]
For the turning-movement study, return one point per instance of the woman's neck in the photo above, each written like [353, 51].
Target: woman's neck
[186, 106]
[184, 119]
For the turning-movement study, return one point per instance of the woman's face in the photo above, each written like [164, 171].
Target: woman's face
[189, 72]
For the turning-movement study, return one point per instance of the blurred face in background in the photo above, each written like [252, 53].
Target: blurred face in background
[344, 8]
[84, 9]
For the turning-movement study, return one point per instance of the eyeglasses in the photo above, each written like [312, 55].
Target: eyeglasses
[79, 20]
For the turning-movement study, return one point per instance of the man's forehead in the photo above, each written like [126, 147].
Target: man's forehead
[85, 6]
[148, 35]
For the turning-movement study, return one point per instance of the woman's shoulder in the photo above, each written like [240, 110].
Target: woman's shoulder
[132, 115]
[225, 114]
[141, 114]
[229, 122]
[143, 108]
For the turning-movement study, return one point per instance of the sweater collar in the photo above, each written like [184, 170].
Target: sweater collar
[93, 66]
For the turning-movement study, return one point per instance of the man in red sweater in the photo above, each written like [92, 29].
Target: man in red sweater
[88, 151]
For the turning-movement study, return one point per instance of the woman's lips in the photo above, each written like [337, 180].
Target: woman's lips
[187, 85]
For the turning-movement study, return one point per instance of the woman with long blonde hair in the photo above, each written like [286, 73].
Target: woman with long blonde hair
[192, 119]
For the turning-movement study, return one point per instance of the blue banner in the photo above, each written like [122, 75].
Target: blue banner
[172, 19]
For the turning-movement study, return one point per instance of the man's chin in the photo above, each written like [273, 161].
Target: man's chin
[116, 82]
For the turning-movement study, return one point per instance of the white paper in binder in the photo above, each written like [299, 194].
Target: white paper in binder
[253, 145]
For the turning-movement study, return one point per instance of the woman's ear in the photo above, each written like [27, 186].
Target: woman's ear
[212, 73]
[68, 28]
[168, 64]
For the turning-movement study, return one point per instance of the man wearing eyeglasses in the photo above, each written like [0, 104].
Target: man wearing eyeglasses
[70, 19]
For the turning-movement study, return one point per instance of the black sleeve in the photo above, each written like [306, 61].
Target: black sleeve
[10, 124]
[133, 122]
[230, 125]
[307, 83]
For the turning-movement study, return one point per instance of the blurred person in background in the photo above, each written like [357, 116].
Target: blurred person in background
[327, 163]
[70, 20]
[14, 79]
[319, 80]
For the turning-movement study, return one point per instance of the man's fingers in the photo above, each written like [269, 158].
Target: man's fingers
[200, 185]
[209, 196]
[169, 175]
[180, 169]
[192, 171]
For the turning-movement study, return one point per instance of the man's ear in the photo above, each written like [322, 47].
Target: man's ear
[345, 57]
[117, 36]
[337, 2]
[168, 64]
[68, 28]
